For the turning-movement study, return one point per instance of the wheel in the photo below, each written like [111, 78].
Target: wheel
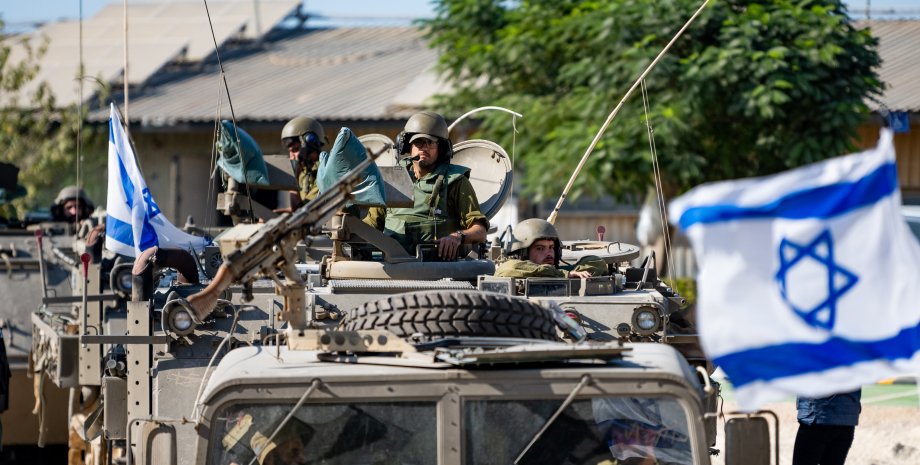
[439, 314]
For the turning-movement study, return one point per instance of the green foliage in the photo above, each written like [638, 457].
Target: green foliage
[751, 88]
[40, 138]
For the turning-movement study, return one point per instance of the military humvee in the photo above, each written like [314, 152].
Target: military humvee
[389, 359]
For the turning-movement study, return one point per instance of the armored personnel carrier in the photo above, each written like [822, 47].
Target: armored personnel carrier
[391, 358]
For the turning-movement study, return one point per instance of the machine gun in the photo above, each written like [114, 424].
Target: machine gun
[271, 248]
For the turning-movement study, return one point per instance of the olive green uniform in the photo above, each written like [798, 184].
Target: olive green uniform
[516, 268]
[306, 179]
[445, 202]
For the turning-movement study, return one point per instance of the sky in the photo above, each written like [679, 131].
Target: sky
[20, 14]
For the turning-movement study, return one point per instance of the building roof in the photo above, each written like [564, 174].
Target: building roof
[158, 33]
[360, 73]
[898, 48]
[331, 74]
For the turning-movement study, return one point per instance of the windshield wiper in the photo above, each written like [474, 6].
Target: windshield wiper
[565, 404]
[313, 386]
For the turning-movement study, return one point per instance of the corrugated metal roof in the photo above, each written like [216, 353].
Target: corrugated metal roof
[331, 74]
[899, 48]
[158, 33]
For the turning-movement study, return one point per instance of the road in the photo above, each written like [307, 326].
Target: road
[888, 431]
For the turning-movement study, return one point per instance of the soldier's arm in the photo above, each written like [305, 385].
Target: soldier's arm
[475, 224]
[515, 268]
[592, 265]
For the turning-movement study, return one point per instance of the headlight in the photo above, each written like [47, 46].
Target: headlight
[125, 281]
[646, 320]
[178, 318]
[181, 320]
[121, 279]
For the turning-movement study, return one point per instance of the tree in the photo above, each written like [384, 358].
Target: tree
[751, 88]
[40, 138]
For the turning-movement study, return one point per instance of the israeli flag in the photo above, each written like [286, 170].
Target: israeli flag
[809, 280]
[133, 221]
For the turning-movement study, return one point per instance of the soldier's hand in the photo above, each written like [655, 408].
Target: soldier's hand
[579, 274]
[448, 246]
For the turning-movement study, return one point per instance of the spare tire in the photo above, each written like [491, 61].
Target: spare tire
[440, 314]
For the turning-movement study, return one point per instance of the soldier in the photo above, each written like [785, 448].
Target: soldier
[446, 209]
[71, 205]
[304, 137]
[536, 250]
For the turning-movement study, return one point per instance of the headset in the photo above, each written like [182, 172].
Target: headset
[309, 143]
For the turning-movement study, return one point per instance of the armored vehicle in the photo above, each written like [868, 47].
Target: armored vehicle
[38, 253]
[373, 355]
[37, 410]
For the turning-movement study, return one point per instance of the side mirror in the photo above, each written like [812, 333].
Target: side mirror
[747, 439]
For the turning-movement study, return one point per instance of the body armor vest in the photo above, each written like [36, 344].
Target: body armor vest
[429, 219]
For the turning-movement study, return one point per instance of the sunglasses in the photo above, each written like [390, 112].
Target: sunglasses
[423, 143]
[287, 142]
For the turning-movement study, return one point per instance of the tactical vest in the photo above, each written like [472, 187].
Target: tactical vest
[428, 220]
[306, 179]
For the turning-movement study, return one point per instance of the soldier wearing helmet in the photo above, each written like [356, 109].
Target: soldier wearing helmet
[536, 251]
[71, 205]
[446, 209]
[303, 138]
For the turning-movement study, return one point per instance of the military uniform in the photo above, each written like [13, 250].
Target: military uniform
[311, 137]
[445, 202]
[516, 268]
[306, 179]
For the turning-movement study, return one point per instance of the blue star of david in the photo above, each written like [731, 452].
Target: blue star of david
[839, 280]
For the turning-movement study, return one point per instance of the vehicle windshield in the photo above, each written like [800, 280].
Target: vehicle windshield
[630, 430]
[329, 434]
[625, 430]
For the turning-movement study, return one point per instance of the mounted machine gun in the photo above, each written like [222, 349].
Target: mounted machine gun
[265, 249]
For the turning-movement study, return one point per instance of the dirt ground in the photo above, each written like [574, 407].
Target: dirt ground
[886, 435]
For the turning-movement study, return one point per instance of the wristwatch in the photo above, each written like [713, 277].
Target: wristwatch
[462, 236]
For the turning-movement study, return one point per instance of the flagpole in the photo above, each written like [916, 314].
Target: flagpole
[124, 126]
[125, 77]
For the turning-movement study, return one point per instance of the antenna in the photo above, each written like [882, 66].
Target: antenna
[613, 114]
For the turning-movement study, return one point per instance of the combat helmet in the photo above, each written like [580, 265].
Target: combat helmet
[426, 124]
[72, 193]
[302, 127]
[529, 231]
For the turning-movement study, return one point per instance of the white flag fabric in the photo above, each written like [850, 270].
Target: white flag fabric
[133, 220]
[809, 280]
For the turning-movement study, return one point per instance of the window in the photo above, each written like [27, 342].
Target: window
[331, 434]
[589, 431]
